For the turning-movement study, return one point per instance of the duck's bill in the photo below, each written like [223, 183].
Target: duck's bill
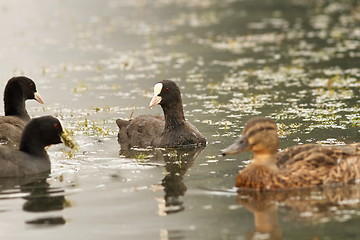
[68, 141]
[241, 145]
[154, 101]
[38, 98]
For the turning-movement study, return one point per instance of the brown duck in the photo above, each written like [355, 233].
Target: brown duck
[299, 166]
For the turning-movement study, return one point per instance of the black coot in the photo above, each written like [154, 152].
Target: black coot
[31, 158]
[173, 132]
[17, 91]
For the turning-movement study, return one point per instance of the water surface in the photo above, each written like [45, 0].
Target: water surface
[95, 61]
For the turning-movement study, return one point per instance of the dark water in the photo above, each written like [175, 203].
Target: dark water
[94, 61]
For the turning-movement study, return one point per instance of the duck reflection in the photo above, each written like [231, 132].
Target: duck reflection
[177, 162]
[40, 197]
[315, 205]
[264, 208]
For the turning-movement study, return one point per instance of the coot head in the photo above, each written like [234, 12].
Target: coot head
[21, 88]
[166, 92]
[39, 133]
[50, 129]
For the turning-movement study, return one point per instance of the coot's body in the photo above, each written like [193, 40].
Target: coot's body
[16, 163]
[151, 131]
[31, 158]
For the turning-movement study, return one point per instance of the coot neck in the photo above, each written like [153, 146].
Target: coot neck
[14, 105]
[31, 144]
[174, 115]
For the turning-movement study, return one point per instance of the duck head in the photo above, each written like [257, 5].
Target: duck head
[259, 136]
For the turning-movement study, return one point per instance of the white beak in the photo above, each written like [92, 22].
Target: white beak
[155, 101]
[38, 98]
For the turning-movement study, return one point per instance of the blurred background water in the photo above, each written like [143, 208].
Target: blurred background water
[95, 61]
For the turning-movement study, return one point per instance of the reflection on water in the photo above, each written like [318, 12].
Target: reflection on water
[49, 221]
[176, 163]
[38, 195]
[313, 205]
[95, 61]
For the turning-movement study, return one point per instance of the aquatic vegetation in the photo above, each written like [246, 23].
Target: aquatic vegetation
[92, 127]
[293, 61]
[81, 87]
[142, 157]
[69, 154]
[285, 130]
[66, 136]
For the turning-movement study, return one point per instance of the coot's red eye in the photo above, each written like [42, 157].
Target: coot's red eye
[167, 89]
[56, 125]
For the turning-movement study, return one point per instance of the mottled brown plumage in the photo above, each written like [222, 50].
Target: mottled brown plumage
[299, 166]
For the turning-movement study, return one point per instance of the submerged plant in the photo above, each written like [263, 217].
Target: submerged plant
[92, 128]
[66, 136]
[141, 157]
[81, 87]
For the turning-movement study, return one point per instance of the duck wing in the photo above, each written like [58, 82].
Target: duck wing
[311, 164]
[316, 155]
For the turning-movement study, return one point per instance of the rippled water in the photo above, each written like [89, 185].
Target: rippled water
[94, 61]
